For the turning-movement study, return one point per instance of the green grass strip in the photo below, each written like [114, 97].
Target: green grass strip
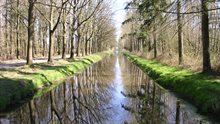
[18, 84]
[201, 90]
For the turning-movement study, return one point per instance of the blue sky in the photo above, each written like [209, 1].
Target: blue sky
[119, 14]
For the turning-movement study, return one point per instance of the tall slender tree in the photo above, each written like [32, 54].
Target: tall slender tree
[205, 37]
[180, 32]
[17, 30]
[53, 26]
[74, 35]
[64, 33]
[30, 31]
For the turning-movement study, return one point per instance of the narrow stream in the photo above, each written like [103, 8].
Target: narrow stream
[113, 91]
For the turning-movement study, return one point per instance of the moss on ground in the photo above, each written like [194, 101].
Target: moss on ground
[17, 84]
[201, 90]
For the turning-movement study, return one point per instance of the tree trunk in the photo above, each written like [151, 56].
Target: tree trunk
[17, 32]
[90, 46]
[40, 38]
[149, 44]
[155, 41]
[51, 47]
[74, 30]
[86, 46]
[34, 47]
[30, 32]
[64, 35]
[58, 47]
[6, 29]
[77, 44]
[72, 45]
[180, 33]
[51, 33]
[11, 46]
[44, 45]
[205, 37]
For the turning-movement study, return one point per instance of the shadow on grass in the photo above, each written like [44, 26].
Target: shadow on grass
[8, 69]
[14, 92]
[86, 62]
[12, 65]
[88, 59]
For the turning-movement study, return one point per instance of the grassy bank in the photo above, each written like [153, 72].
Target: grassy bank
[201, 90]
[16, 84]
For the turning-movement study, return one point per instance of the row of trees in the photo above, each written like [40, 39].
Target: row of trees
[33, 28]
[174, 27]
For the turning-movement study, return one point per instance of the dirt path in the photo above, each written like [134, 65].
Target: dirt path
[22, 62]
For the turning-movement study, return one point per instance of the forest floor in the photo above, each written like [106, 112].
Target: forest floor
[19, 81]
[202, 90]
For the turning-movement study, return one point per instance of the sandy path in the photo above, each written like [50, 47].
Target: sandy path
[22, 62]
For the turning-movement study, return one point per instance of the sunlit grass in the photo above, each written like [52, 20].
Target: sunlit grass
[200, 89]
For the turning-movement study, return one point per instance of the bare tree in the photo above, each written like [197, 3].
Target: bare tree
[53, 27]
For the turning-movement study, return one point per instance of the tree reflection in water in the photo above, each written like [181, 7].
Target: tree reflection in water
[111, 91]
